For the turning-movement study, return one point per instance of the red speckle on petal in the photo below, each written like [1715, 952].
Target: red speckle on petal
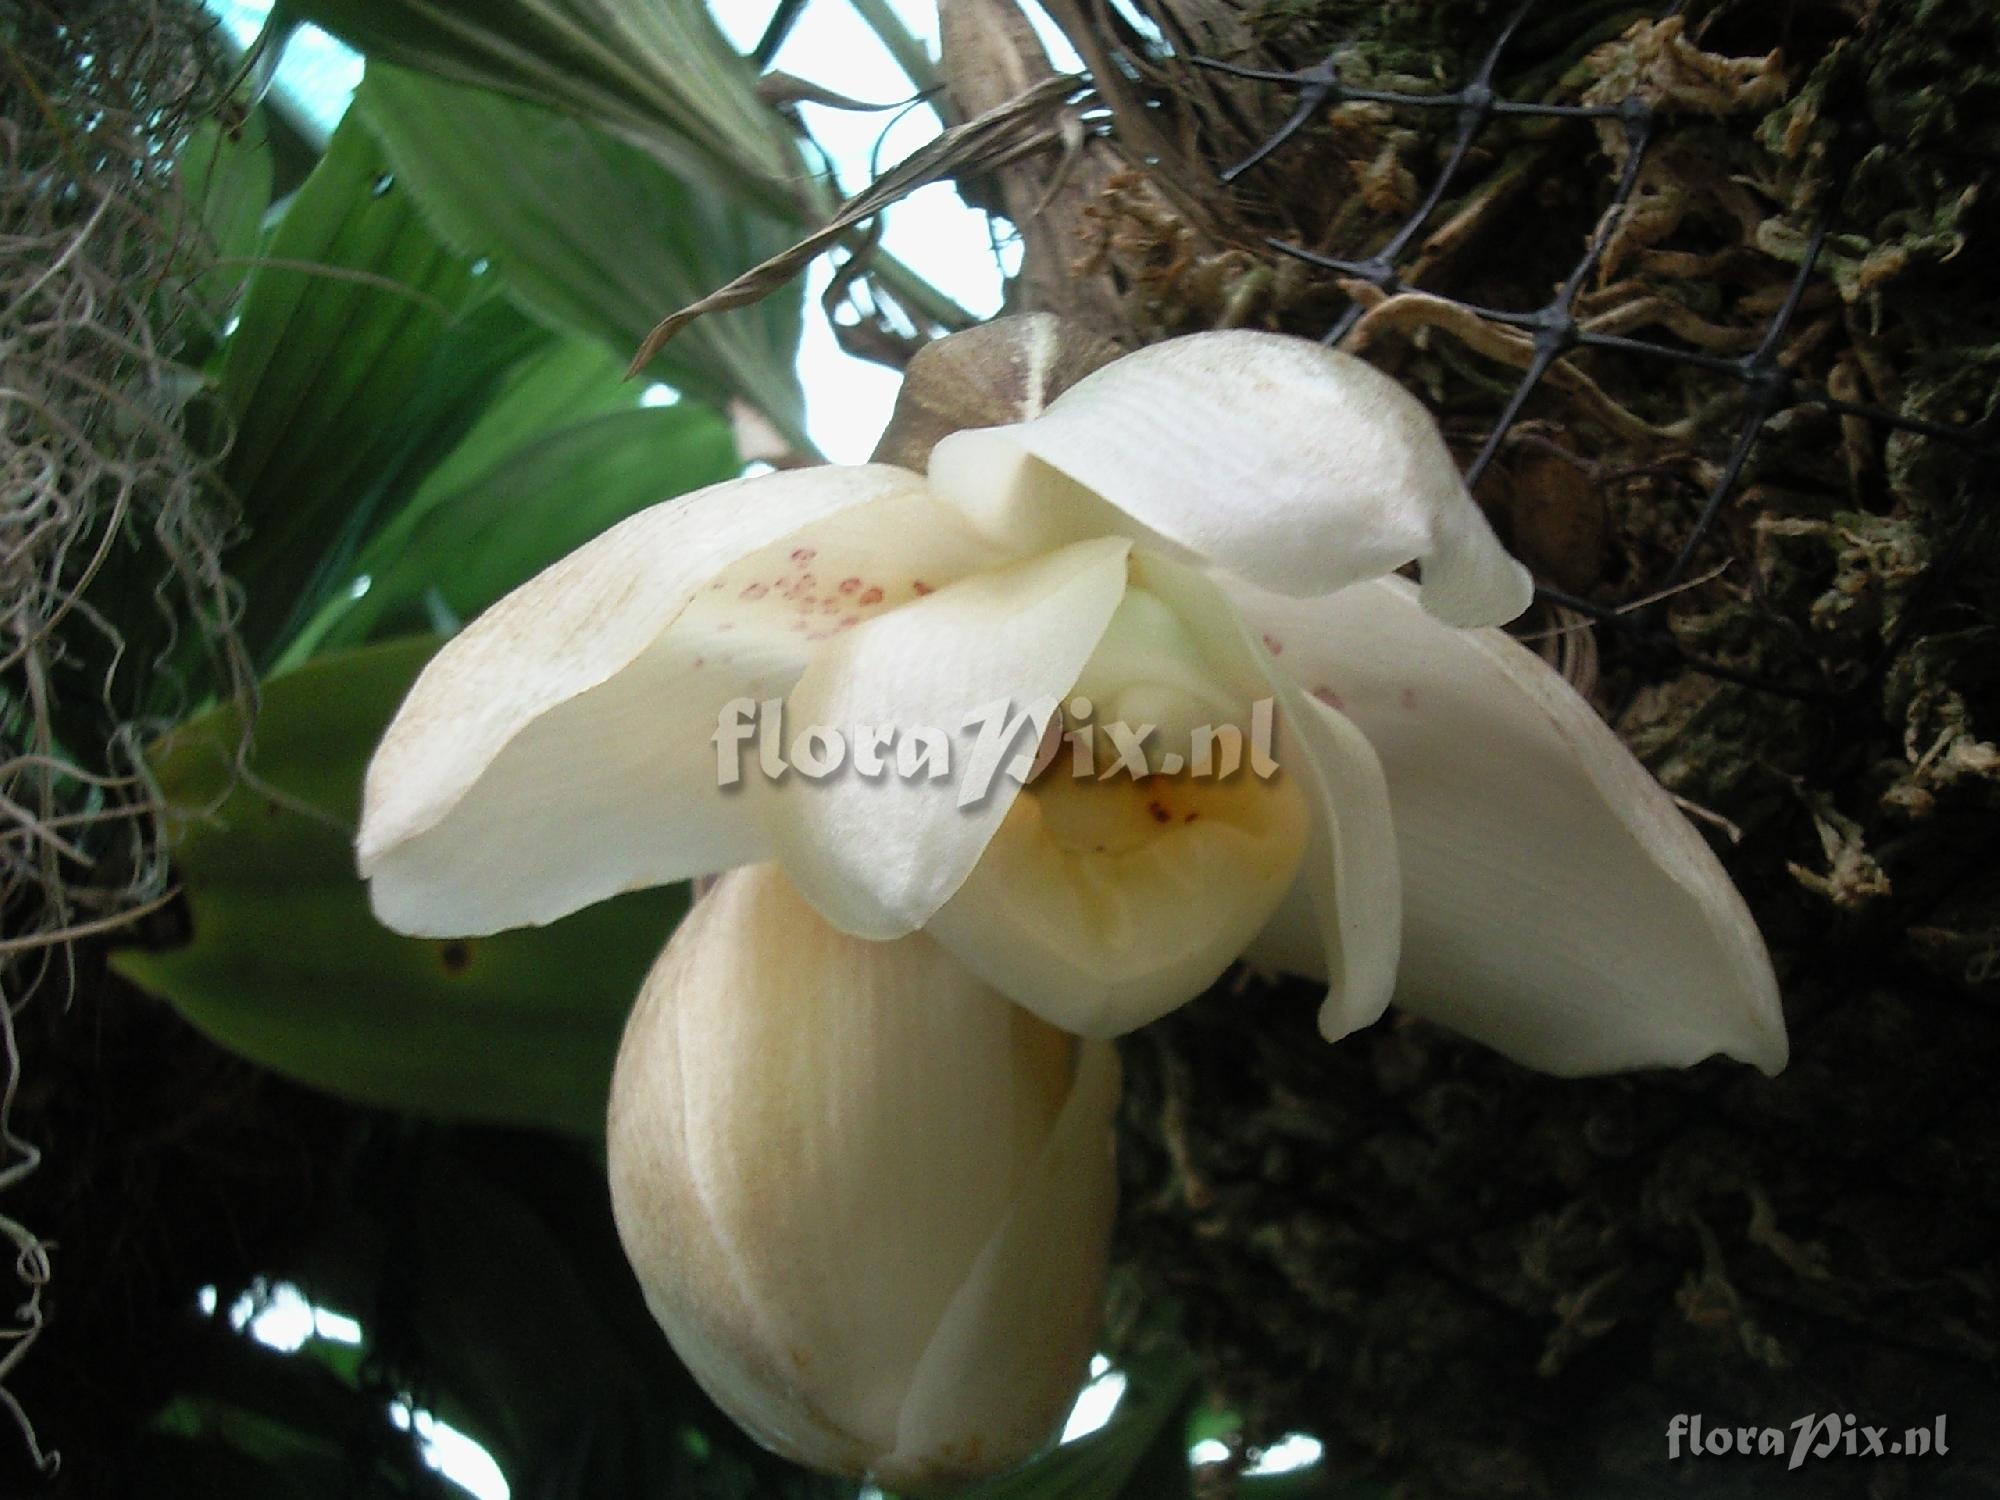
[1160, 814]
[1328, 696]
[921, 587]
[754, 590]
[849, 585]
[698, 661]
[873, 596]
[1410, 699]
[850, 622]
[1273, 645]
[803, 555]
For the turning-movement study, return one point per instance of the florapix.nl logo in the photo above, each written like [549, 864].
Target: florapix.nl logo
[995, 739]
[1817, 1435]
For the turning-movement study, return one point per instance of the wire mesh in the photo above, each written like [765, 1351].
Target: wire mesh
[1455, 1224]
[1768, 387]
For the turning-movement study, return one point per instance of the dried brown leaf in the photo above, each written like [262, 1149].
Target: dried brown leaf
[1024, 123]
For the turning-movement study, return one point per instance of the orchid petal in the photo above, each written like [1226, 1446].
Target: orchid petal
[1557, 905]
[782, 1091]
[560, 749]
[1029, 1311]
[1296, 467]
[1107, 898]
[1351, 886]
[878, 854]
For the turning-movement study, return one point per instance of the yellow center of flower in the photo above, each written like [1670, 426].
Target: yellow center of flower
[1148, 852]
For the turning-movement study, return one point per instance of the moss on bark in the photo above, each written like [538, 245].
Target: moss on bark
[1470, 1280]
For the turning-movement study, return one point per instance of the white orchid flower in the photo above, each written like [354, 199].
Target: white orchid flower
[1203, 526]
[869, 1198]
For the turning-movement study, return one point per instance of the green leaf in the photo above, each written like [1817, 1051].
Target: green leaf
[225, 173]
[535, 476]
[565, 381]
[251, 1422]
[362, 344]
[655, 72]
[591, 234]
[496, 1271]
[543, 500]
[288, 967]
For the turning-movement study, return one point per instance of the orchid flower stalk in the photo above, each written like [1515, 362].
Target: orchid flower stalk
[1196, 544]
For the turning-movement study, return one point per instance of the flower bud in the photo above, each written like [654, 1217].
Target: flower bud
[1007, 370]
[868, 1198]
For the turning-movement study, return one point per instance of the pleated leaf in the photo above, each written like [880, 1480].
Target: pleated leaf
[655, 72]
[364, 345]
[287, 966]
[456, 548]
[225, 173]
[592, 234]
